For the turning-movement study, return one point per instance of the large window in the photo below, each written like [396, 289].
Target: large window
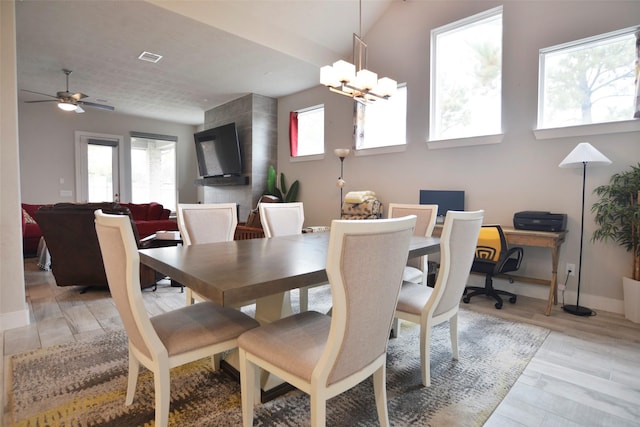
[307, 131]
[382, 123]
[466, 77]
[153, 170]
[588, 81]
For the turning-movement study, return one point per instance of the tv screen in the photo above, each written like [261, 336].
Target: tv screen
[218, 151]
[446, 200]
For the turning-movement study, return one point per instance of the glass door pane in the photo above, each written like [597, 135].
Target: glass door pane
[100, 164]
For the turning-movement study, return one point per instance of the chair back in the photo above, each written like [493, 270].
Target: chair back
[207, 223]
[281, 219]
[457, 248]
[365, 262]
[425, 222]
[425, 216]
[122, 265]
[491, 243]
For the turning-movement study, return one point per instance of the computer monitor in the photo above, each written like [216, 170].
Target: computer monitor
[445, 199]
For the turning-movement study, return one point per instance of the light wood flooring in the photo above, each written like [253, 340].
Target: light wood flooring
[587, 372]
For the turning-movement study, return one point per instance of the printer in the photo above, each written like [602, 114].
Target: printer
[540, 221]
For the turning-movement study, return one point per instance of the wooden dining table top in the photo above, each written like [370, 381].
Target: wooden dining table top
[230, 273]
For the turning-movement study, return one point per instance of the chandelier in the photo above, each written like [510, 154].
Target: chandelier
[354, 80]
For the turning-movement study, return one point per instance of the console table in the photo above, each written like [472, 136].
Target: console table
[543, 239]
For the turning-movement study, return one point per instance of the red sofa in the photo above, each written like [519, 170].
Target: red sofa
[149, 218]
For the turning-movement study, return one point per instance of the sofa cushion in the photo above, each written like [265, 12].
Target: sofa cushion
[154, 212]
[139, 211]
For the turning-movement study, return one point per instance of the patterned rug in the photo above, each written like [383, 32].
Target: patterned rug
[84, 383]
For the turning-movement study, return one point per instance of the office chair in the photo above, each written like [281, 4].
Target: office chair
[493, 257]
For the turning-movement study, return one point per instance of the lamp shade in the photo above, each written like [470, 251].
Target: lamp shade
[584, 153]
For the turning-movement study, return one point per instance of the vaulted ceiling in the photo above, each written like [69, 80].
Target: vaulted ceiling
[212, 51]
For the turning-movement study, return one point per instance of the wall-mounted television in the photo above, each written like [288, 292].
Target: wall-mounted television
[446, 201]
[218, 151]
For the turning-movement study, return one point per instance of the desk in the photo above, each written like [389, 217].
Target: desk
[231, 273]
[542, 239]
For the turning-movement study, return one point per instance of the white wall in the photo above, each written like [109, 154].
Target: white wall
[13, 309]
[47, 148]
[521, 173]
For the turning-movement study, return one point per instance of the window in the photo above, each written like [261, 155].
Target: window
[466, 77]
[382, 123]
[587, 81]
[307, 131]
[153, 169]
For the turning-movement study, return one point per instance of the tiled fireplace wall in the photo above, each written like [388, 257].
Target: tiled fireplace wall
[256, 120]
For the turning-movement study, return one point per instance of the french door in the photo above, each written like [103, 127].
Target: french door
[98, 167]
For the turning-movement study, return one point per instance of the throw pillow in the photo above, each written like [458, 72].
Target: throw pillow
[27, 218]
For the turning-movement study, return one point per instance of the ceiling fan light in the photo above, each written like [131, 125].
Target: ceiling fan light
[66, 106]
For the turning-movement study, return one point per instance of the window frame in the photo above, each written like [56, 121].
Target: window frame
[435, 142]
[155, 138]
[382, 149]
[585, 129]
[316, 156]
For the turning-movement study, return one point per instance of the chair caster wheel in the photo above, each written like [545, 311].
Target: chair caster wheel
[498, 305]
[466, 300]
[512, 300]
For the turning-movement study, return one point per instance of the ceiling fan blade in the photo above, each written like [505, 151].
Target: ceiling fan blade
[38, 93]
[42, 100]
[79, 109]
[94, 105]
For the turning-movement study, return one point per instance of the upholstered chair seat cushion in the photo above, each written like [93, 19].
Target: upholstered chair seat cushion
[413, 297]
[192, 327]
[298, 353]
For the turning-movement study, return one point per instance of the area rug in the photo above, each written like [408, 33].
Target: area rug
[84, 383]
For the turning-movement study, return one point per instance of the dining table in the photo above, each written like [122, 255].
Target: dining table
[238, 272]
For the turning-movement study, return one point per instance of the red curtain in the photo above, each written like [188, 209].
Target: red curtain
[293, 133]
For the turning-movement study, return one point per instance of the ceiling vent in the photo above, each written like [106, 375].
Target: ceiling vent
[149, 57]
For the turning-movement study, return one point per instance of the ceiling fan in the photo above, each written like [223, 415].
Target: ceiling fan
[68, 101]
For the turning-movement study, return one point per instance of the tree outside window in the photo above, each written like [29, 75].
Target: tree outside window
[588, 81]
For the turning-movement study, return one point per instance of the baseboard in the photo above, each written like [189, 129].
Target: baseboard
[14, 319]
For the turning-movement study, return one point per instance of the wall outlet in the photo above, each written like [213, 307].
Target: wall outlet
[571, 269]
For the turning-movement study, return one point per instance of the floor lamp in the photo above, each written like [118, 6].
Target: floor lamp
[341, 153]
[581, 155]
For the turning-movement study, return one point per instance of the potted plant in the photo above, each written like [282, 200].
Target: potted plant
[283, 193]
[617, 215]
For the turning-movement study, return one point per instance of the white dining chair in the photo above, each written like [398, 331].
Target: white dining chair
[417, 270]
[167, 340]
[282, 219]
[428, 306]
[206, 223]
[323, 355]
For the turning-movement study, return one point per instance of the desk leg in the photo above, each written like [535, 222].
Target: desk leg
[553, 286]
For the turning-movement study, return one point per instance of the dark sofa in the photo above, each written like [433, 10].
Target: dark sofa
[149, 218]
[70, 235]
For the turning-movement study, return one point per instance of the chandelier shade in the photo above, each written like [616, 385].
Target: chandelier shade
[354, 79]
